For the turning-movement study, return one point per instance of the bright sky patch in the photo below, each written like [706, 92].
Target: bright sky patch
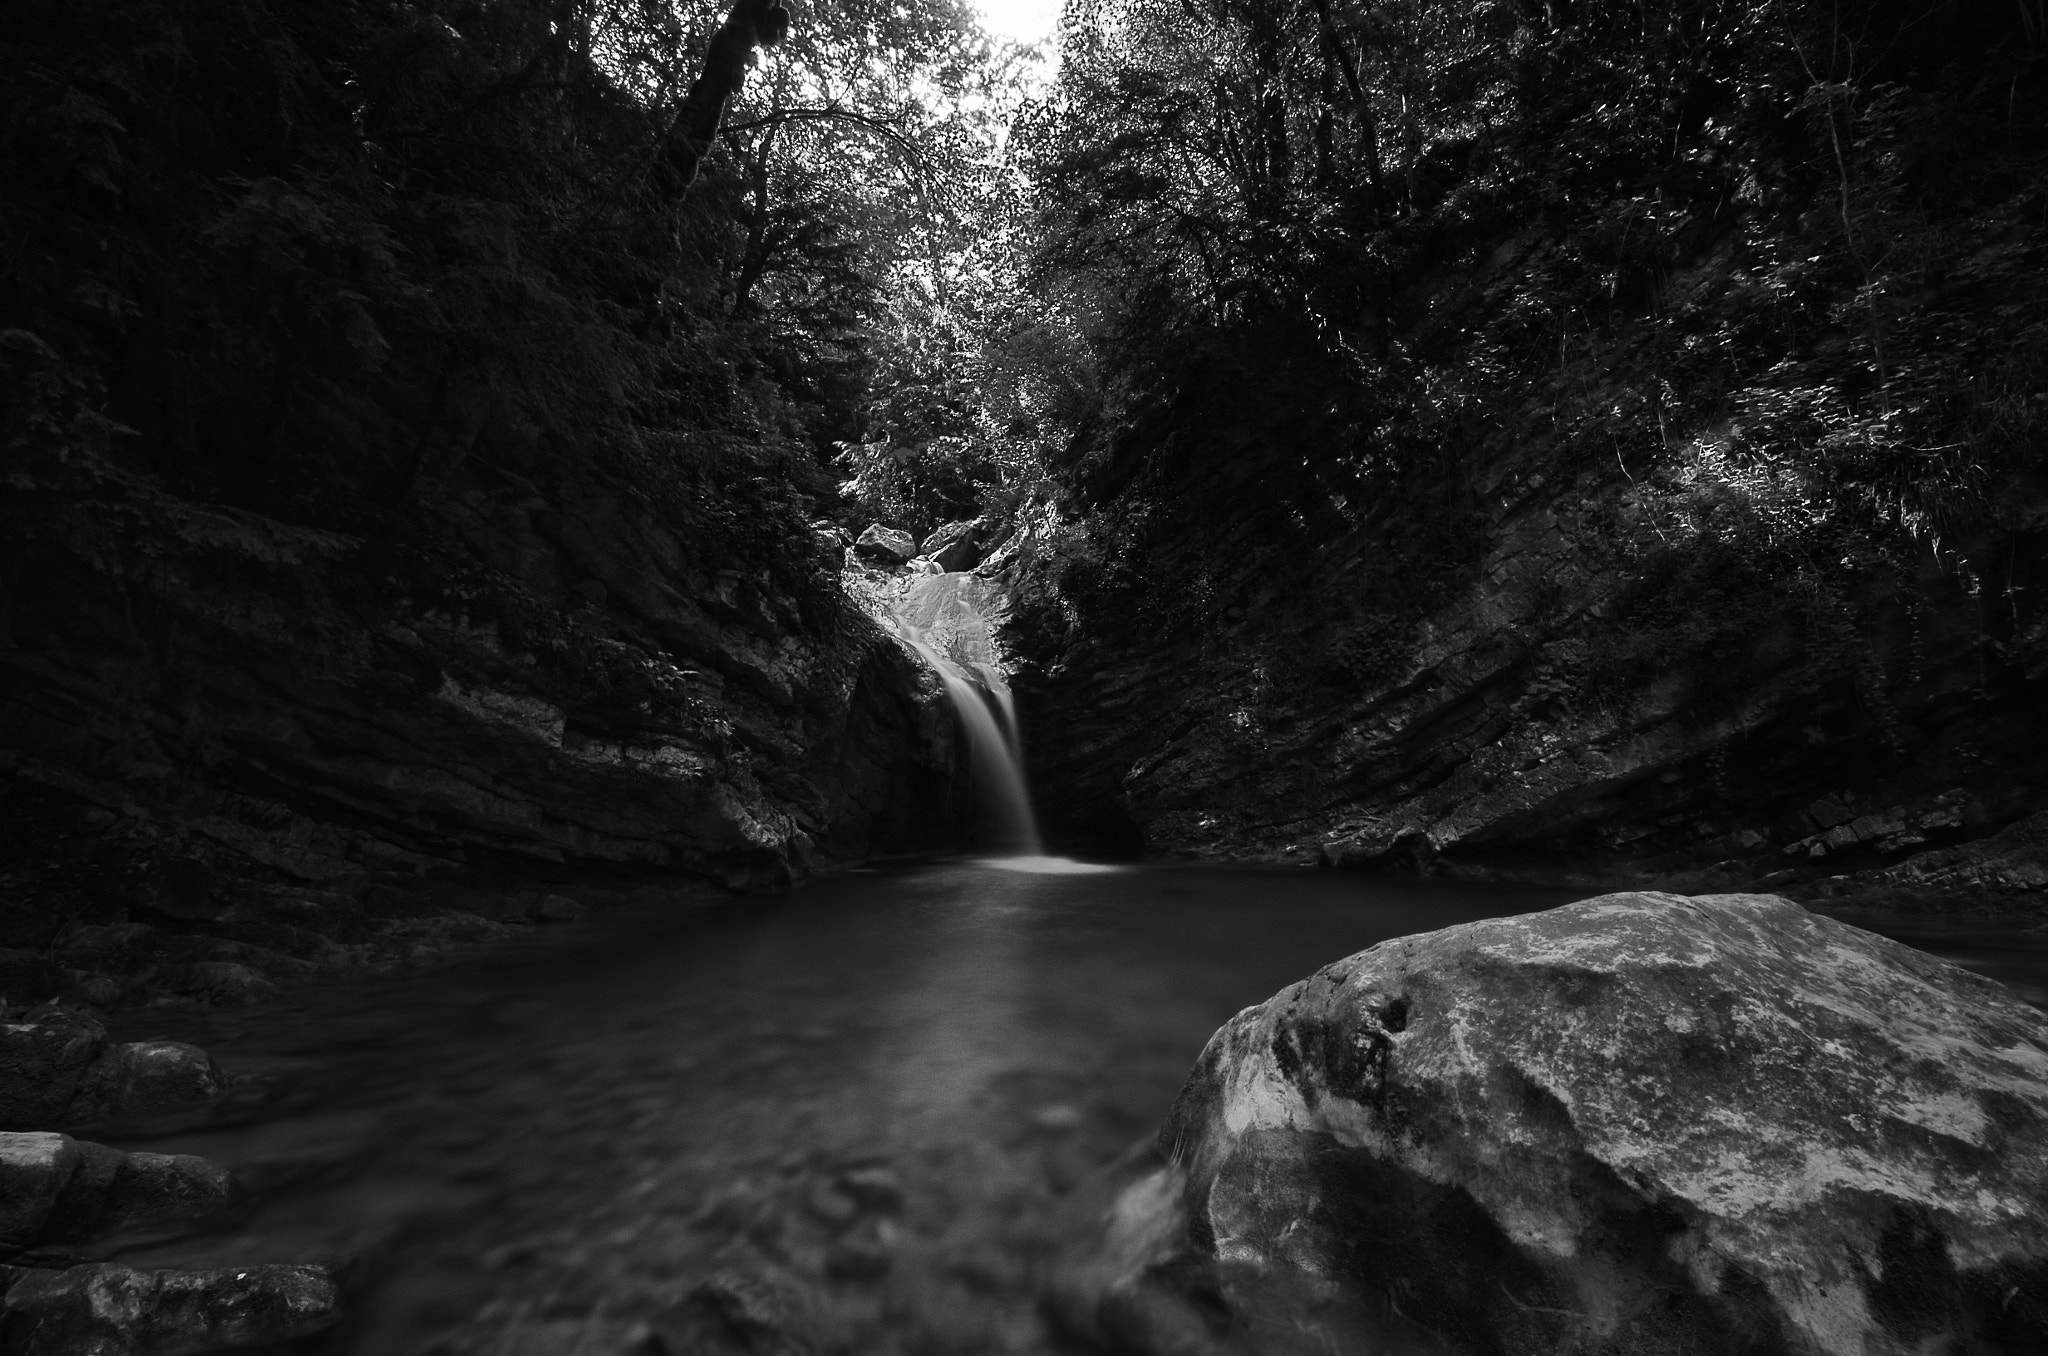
[1021, 20]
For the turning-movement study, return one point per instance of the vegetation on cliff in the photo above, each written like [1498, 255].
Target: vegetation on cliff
[1746, 297]
[410, 472]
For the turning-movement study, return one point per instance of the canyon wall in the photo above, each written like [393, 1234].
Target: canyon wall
[234, 748]
[1601, 613]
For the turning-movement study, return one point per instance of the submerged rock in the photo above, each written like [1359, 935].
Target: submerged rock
[111, 1310]
[1638, 1124]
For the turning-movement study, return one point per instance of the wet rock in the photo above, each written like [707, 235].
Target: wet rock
[221, 982]
[1378, 845]
[956, 546]
[1637, 1124]
[109, 1310]
[57, 1068]
[886, 544]
[146, 1078]
[34, 1169]
[558, 909]
[43, 1057]
[142, 1189]
[54, 1189]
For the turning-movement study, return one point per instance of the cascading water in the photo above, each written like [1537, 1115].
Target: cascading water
[948, 620]
[992, 750]
[944, 617]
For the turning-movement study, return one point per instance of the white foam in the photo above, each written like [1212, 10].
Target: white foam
[1046, 866]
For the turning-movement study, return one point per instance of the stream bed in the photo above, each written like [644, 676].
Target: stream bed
[869, 1112]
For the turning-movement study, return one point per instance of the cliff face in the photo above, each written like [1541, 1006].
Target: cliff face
[1560, 714]
[233, 742]
[1628, 536]
[402, 531]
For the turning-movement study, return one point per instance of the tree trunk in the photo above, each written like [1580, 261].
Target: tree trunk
[752, 24]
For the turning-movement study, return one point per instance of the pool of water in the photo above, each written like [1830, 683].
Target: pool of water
[869, 1111]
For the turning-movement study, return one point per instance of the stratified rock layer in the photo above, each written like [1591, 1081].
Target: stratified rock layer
[1640, 1123]
[254, 749]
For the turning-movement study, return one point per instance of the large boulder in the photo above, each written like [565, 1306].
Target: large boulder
[956, 546]
[1637, 1124]
[889, 545]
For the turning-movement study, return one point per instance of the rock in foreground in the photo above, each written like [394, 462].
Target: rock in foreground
[58, 1068]
[1637, 1124]
[111, 1310]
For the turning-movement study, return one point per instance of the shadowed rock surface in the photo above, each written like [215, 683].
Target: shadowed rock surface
[57, 1068]
[111, 1310]
[62, 1191]
[319, 776]
[1640, 1123]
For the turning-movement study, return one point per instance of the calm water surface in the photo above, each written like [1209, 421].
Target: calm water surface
[886, 1098]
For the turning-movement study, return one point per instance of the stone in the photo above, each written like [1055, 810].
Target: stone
[42, 1059]
[863, 1254]
[887, 544]
[34, 1169]
[147, 1078]
[956, 546]
[1375, 846]
[54, 1189]
[558, 909]
[224, 982]
[150, 1189]
[1641, 1123]
[105, 1309]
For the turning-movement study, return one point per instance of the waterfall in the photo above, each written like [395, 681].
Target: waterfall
[993, 751]
[946, 619]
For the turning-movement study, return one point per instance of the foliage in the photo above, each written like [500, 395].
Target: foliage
[1772, 268]
[327, 263]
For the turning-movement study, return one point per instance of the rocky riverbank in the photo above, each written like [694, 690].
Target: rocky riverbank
[61, 1197]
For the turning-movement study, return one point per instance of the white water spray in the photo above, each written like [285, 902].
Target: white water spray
[992, 747]
[948, 619]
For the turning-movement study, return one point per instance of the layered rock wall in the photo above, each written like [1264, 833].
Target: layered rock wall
[236, 748]
[1531, 722]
